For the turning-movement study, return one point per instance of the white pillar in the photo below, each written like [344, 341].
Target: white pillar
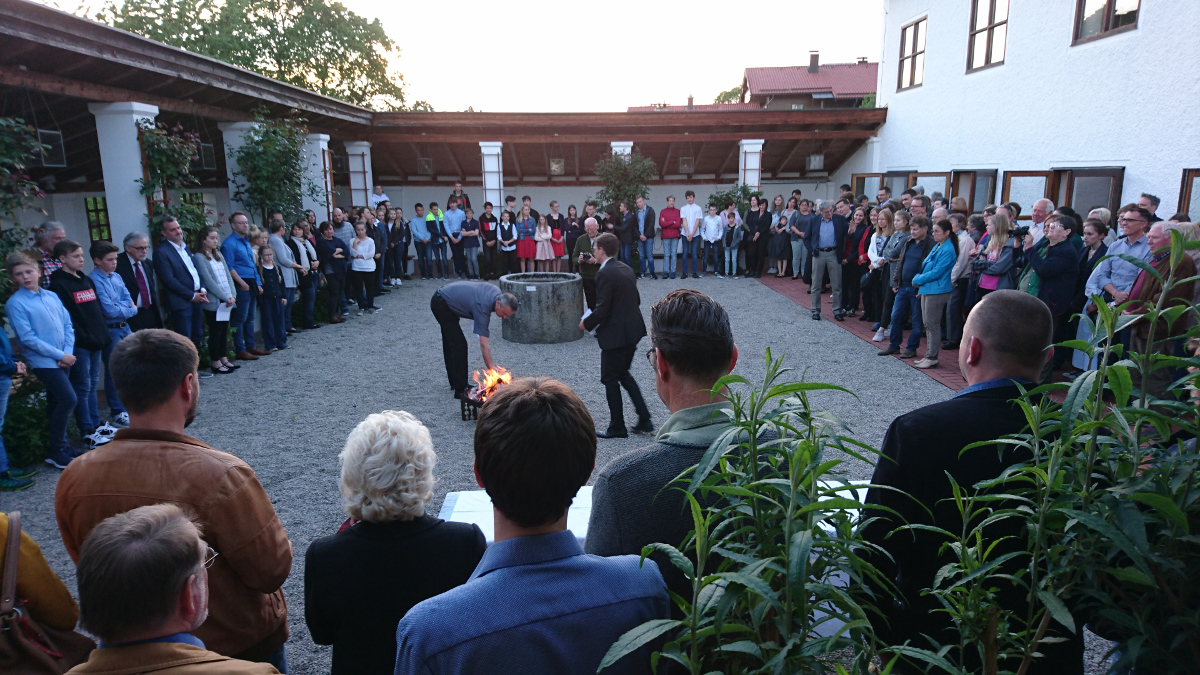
[874, 160]
[621, 147]
[315, 170]
[121, 162]
[233, 134]
[750, 163]
[362, 180]
[493, 173]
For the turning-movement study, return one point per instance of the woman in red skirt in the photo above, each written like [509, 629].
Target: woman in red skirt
[526, 245]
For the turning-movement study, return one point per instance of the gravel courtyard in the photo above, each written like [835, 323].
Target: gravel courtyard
[288, 414]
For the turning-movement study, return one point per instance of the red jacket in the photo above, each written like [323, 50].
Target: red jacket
[670, 222]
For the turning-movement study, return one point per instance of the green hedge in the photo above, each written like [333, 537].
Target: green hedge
[26, 434]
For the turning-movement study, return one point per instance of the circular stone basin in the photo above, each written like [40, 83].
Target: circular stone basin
[551, 304]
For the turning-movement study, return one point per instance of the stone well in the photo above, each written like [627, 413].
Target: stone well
[551, 304]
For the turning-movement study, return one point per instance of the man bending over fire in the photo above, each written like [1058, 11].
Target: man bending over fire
[467, 300]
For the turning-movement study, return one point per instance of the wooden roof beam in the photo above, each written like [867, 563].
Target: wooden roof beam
[516, 162]
[788, 157]
[732, 153]
[383, 136]
[576, 161]
[454, 160]
[696, 160]
[662, 169]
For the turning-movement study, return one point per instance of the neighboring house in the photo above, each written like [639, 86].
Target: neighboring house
[1015, 100]
[813, 87]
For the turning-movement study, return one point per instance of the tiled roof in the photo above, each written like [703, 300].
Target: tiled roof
[707, 107]
[844, 80]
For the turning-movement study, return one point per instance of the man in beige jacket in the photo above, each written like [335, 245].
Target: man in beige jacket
[153, 462]
[143, 588]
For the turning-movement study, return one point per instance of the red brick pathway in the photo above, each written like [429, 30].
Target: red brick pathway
[797, 291]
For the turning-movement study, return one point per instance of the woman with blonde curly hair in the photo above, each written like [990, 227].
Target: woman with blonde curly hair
[360, 582]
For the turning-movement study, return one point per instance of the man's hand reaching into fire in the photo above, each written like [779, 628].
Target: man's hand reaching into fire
[486, 348]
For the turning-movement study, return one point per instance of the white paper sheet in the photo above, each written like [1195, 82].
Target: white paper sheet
[223, 312]
[475, 507]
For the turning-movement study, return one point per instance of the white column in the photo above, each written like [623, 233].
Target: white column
[621, 147]
[315, 148]
[493, 173]
[361, 178]
[121, 162]
[233, 134]
[874, 160]
[750, 163]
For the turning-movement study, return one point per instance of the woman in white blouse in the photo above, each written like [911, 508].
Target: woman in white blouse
[362, 269]
[215, 277]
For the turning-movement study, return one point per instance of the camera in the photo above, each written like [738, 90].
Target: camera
[1019, 232]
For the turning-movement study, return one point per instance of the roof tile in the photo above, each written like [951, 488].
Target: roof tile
[844, 80]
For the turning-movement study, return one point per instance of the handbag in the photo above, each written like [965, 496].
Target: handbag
[27, 647]
[988, 281]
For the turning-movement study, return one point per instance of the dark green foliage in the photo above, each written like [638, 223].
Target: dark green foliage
[733, 95]
[26, 434]
[625, 178]
[739, 193]
[167, 156]
[272, 172]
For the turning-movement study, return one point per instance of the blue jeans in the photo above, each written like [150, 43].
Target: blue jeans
[689, 255]
[243, 319]
[626, 254]
[272, 323]
[710, 251]
[646, 255]
[906, 302]
[110, 389]
[731, 259]
[289, 294]
[279, 659]
[670, 250]
[60, 401]
[439, 262]
[423, 259]
[471, 256]
[187, 322]
[5, 386]
[85, 378]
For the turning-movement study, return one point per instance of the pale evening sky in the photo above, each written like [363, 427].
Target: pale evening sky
[553, 56]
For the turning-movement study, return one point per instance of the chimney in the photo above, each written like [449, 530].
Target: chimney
[862, 59]
[690, 105]
[813, 58]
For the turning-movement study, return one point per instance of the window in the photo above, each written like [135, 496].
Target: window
[797, 106]
[1189, 194]
[912, 54]
[866, 184]
[989, 31]
[1095, 19]
[97, 218]
[205, 200]
[1026, 187]
[1081, 189]
[978, 187]
[931, 183]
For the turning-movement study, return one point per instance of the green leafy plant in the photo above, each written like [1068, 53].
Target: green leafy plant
[625, 178]
[775, 557]
[18, 145]
[732, 95]
[26, 435]
[739, 193]
[167, 156]
[272, 172]
[868, 101]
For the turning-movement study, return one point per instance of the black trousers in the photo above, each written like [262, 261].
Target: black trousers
[614, 374]
[460, 259]
[147, 317]
[589, 293]
[218, 336]
[851, 276]
[362, 288]
[454, 343]
[334, 288]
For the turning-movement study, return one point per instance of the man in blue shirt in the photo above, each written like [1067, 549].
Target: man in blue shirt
[1114, 275]
[536, 603]
[118, 308]
[453, 219]
[239, 257]
[827, 237]
[420, 237]
[646, 229]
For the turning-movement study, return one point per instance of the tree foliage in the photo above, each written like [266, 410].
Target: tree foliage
[315, 44]
[625, 178]
[733, 95]
[18, 192]
[272, 171]
[739, 194]
[167, 156]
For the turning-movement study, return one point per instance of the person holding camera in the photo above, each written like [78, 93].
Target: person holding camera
[587, 263]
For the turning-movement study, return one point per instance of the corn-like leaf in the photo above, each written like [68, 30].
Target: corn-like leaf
[1057, 609]
[636, 638]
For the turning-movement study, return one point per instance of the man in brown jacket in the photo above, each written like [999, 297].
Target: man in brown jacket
[143, 587]
[1144, 297]
[152, 462]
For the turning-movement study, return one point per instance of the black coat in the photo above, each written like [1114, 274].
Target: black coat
[617, 318]
[1057, 271]
[147, 317]
[1086, 267]
[360, 582]
[626, 227]
[650, 223]
[920, 448]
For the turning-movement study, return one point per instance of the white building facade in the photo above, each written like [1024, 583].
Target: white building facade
[1086, 102]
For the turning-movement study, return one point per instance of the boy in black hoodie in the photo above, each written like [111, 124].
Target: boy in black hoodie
[78, 295]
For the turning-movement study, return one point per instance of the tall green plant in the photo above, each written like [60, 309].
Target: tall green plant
[272, 171]
[18, 191]
[625, 178]
[738, 193]
[775, 557]
[167, 156]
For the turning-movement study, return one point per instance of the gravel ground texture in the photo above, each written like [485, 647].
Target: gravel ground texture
[288, 414]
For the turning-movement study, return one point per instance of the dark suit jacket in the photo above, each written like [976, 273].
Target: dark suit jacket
[1085, 270]
[626, 227]
[1057, 272]
[651, 222]
[618, 313]
[147, 317]
[918, 450]
[175, 277]
[840, 225]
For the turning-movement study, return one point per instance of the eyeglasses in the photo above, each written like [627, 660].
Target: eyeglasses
[650, 355]
[209, 557]
[1131, 220]
[140, 248]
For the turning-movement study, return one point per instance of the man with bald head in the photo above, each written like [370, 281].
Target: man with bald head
[1005, 342]
[588, 265]
[1037, 215]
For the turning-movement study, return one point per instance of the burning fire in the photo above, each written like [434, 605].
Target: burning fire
[487, 384]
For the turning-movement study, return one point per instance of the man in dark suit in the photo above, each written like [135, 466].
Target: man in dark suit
[619, 327]
[138, 275]
[1006, 341]
[646, 225]
[625, 227]
[183, 293]
[826, 235]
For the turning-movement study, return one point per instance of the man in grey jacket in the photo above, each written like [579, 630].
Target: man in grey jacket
[288, 267]
[691, 348]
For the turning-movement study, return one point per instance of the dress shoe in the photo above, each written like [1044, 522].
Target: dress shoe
[246, 356]
[839, 316]
[888, 352]
[949, 345]
[908, 353]
[337, 319]
[644, 427]
[816, 316]
[258, 352]
[613, 433]
[926, 363]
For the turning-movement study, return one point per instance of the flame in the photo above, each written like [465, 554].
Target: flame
[491, 379]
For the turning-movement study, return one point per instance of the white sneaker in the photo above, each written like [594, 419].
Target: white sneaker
[887, 332]
[106, 429]
[121, 420]
[97, 439]
[879, 335]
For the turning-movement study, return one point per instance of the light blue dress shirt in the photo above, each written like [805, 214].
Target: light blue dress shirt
[535, 604]
[114, 298]
[239, 256]
[42, 325]
[828, 238]
[1113, 270]
[453, 220]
